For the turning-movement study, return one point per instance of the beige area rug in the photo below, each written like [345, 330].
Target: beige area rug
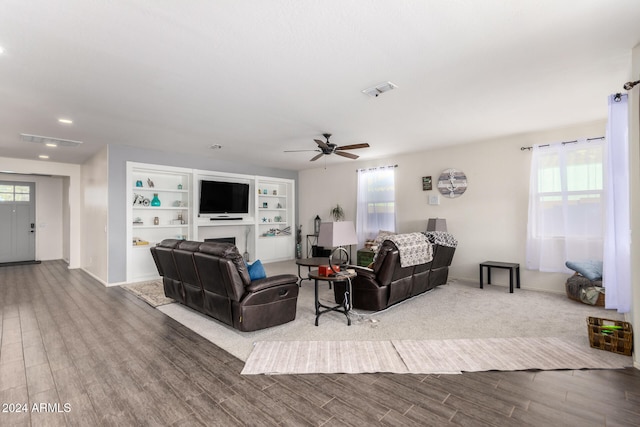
[150, 292]
[458, 310]
[421, 357]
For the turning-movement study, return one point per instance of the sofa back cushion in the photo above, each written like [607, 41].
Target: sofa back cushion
[185, 263]
[385, 263]
[222, 270]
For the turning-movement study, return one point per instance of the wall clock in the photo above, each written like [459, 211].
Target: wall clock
[452, 183]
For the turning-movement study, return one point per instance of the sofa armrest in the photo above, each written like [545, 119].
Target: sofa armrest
[270, 282]
[364, 272]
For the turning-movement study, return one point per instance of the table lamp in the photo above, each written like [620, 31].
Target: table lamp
[437, 224]
[337, 235]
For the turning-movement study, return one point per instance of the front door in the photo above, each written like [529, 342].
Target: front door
[17, 221]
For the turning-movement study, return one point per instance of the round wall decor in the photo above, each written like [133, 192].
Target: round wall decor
[452, 183]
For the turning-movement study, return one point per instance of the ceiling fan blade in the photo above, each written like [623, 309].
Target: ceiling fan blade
[296, 151]
[316, 157]
[353, 146]
[349, 155]
[322, 144]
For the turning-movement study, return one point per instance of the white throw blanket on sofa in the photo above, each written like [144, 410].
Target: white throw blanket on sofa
[413, 248]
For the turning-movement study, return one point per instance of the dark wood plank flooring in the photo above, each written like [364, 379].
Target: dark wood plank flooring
[88, 355]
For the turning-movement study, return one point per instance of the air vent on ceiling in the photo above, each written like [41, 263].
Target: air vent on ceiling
[381, 88]
[48, 140]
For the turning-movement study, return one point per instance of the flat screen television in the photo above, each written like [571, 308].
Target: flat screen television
[219, 197]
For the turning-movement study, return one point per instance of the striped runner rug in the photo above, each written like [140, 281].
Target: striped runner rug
[424, 357]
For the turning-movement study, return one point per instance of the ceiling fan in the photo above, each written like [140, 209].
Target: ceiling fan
[325, 148]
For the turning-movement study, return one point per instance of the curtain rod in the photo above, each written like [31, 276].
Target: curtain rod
[563, 143]
[378, 167]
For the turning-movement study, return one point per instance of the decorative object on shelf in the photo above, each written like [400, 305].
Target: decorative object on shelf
[279, 206]
[452, 183]
[149, 182]
[264, 219]
[156, 220]
[155, 201]
[426, 183]
[316, 225]
[277, 232]
[437, 224]
[139, 183]
[337, 213]
[139, 200]
[277, 218]
[138, 221]
[179, 216]
[179, 186]
[178, 204]
[264, 191]
[275, 192]
[265, 205]
[139, 242]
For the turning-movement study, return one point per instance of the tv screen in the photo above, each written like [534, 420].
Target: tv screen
[218, 197]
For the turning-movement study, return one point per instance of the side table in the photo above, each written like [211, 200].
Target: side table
[514, 270]
[343, 276]
[309, 262]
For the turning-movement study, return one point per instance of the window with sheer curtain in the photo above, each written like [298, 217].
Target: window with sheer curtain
[566, 205]
[376, 206]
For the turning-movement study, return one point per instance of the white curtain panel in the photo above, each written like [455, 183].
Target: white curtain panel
[566, 206]
[617, 243]
[376, 202]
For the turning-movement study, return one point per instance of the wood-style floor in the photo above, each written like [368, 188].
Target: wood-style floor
[76, 353]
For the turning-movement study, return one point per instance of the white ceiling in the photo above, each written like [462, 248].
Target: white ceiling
[263, 76]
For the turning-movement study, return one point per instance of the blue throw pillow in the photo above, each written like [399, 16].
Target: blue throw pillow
[592, 270]
[256, 270]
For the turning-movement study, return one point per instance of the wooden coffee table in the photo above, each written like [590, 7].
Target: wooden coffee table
[343, 276]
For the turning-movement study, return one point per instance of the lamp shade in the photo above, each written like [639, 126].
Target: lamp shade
[437, 224]
[334, 234]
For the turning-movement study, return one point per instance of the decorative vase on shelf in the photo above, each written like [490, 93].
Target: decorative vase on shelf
[155, 201]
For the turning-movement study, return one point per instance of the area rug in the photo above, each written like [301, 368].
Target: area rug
[151, 292]
[421, 357]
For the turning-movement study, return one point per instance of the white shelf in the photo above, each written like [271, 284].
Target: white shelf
[160, 208]
[160, 190]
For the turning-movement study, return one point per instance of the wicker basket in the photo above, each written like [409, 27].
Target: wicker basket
[614, 340]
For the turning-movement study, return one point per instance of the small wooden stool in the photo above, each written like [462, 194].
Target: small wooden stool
[514, 269]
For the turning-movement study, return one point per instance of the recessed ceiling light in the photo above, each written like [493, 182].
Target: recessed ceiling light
[1, 50]
[216, 146]
[43, 156]
[65, 121]
[51, 144]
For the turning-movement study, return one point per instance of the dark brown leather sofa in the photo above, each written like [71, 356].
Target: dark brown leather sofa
[212, 278]
[387, 283]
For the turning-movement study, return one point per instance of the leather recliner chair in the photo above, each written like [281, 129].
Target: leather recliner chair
[212, 278]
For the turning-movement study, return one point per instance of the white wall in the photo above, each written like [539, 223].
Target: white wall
[489, 219]
[95, 183]
[22, 166]
[49, 214]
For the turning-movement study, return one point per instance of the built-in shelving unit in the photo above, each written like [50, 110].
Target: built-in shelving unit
[150, 224]
[266, 232]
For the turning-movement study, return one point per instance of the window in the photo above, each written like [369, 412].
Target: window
[566, 205]
[14, 193]
[376, 208]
